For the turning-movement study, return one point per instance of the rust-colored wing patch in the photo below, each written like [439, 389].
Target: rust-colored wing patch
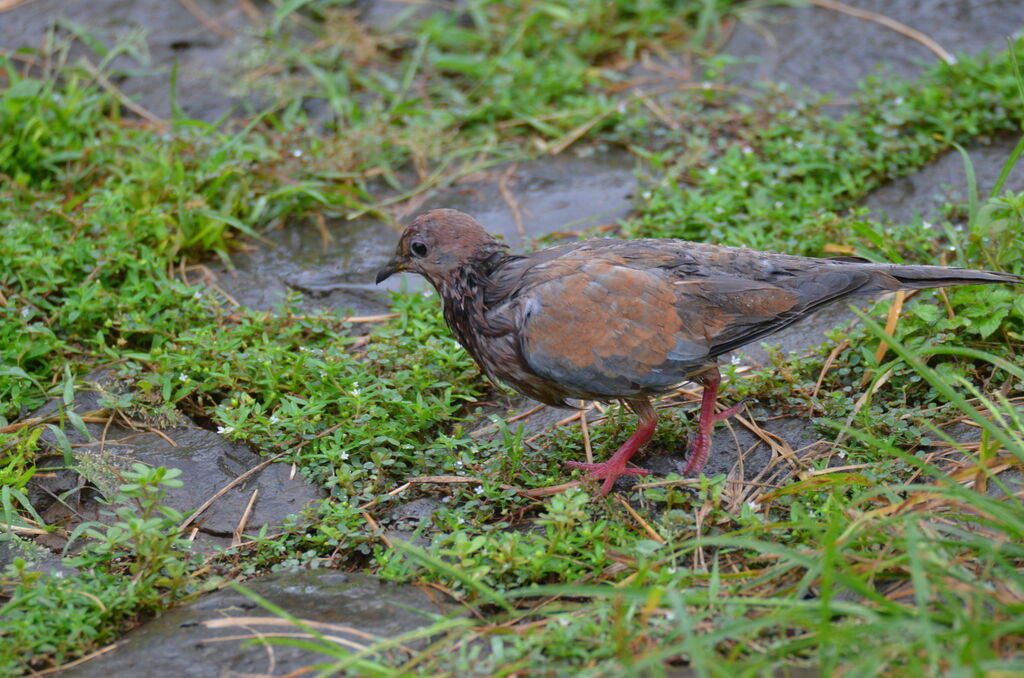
[604, 329]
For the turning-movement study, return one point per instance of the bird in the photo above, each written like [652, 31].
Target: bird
[625, 320]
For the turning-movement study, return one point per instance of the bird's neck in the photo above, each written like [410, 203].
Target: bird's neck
[463, 296]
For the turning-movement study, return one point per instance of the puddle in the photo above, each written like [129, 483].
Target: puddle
[336, 274]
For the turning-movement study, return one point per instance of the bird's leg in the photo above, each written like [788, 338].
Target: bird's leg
[701, 447]
[616, 465]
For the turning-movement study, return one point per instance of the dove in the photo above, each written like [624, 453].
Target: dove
[626, 320]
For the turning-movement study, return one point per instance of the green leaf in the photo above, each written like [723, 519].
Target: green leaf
[991, 322]
[78, 424]
[24, 89]
[930, 313]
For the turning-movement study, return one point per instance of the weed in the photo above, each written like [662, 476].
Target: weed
[132, 567]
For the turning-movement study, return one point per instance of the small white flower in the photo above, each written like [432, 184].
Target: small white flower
[343, 456]
[744, 184]
[712, 170]
[778, 204]
[296, 153]
[706, 85]
[428, 293]
[753, 506]
[460, 520]
[646, 195]
[273, 419]
[356, 391]
[719, 210]
[224, 430]
[799, 144]
[182, 377]
[479, 489]
[926, 224]
[197, 295]
[747, 150]
[898, 101]
[735, 360]
[842, 454]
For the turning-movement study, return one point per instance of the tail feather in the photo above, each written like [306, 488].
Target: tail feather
[925, 277]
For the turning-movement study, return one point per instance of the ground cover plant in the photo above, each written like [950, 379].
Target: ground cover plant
[904, 560]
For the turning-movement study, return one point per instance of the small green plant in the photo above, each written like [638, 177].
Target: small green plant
[145, 535]
[136, 565]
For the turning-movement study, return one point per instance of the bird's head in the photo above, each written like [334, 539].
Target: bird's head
[438, 244]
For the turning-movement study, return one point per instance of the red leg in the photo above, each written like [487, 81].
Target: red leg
[616, 465]
[701, 447]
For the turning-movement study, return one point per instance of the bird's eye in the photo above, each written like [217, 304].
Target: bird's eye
[418, 249]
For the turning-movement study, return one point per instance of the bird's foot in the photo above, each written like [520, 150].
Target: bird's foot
[700, 446]
[700, 450]
[734, 410]
[607, 471]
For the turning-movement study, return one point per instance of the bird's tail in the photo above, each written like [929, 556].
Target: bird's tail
[925, 277]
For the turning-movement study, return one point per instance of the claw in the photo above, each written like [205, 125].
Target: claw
[609, 470]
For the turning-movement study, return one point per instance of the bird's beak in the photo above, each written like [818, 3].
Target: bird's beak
[392, 267]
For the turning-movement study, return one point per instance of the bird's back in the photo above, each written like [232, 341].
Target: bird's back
[613, 318]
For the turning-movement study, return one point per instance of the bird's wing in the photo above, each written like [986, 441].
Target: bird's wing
[604, 330]
[735, 312]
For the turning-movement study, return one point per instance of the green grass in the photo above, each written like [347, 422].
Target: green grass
[904, 565]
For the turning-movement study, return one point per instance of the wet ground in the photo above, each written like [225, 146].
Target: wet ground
[222, 633]
[209, 44]
[210, 465]
[830, 51]
[806, 47]
[561, 193]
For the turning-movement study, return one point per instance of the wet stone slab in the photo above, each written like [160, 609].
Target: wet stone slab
[829, 51]
[568, 192]
[335, 273]
[213, 636]
[944, 180]
[208, 463]
[209, 51]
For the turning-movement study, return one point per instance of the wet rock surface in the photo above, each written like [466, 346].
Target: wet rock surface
[208, 44]
[213, 636]
[208, 463]
[336, 272]
[829, 51]
[518, 202]
[944, 181]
